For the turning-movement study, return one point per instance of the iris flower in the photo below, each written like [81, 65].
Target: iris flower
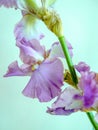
[33, 12]
[84, 98]
[44, 67]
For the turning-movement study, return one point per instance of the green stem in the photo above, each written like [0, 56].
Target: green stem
[74, 76]
[68, 60]
[92, 120]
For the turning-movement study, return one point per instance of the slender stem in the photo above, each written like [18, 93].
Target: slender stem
[93, 122]
[74, 76]
[68, 60]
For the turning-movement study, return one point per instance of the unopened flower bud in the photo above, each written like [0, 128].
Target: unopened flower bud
[53, 22]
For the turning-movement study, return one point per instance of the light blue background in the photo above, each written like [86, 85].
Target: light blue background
[80, 21]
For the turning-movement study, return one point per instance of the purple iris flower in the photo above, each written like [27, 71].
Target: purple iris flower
[82, 98]
[44, 67]
[46, 72]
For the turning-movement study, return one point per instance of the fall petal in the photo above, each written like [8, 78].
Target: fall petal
[66, 99]
[15, 70]
[46, 81]
[59, 111]
[66, 103]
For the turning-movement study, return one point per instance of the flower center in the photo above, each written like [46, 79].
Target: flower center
[35, 66]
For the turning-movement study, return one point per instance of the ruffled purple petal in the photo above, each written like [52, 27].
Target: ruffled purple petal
[28, 28]
[66, 99]
[31, 51]
[66, 103]
[46, 81]
[82, 67]
[56, 50]
[87, 84]
[15, 70]
[89, 88]
[8, 3]
[59, 111]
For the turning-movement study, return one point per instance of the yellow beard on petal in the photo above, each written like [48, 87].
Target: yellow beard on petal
[34, 67]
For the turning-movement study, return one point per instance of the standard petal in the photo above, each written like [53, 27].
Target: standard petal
[28, 28]
[9, 3]
[15, 70]
[56, 50]
[31, 51]
[82, 67]
[46, 81]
